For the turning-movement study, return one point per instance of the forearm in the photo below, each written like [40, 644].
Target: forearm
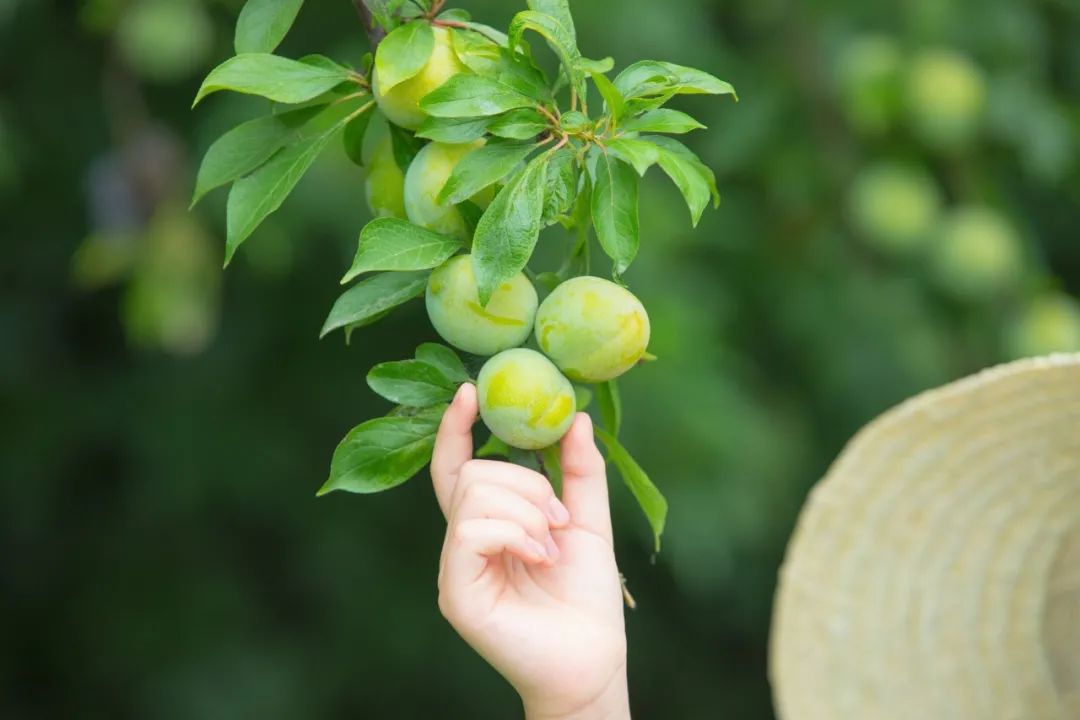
[611, 704]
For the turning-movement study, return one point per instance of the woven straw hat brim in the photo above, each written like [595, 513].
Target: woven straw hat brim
[934, 574]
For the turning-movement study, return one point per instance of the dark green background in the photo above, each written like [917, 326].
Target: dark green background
[162, 553]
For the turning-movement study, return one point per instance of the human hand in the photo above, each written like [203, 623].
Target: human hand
[531, 582]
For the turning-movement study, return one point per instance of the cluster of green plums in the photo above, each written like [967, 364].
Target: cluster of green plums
[589, 330]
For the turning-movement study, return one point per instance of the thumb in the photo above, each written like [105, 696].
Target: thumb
[585, 492]
[453, 444]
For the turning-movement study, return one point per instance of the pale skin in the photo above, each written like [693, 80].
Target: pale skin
[529, 580]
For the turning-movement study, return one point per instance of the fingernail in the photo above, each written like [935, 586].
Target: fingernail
[558, 512]
[537, 549]
[552, 548]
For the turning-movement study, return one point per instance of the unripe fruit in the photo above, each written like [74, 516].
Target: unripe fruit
[385, 183]
[895, 207]
[1049, 324]
[978, 254]
[427, 175]
[868, 73]
[402, 103]
[593, 329]
[454, 308]
[946, 96]
[524, 399]
[165, 40]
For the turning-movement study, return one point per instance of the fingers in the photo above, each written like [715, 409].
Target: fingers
[453, 444]
[529, 484]
[487, 501]
[585, 492]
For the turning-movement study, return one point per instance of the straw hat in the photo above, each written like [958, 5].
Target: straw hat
[935, 572]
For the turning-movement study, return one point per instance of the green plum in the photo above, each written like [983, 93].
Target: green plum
[524, 399]
[978, 253]
[454, 308]
[165, 40]
[427, 175]
[385, 183]
[895, 207]
[869, 78]
[1049, 324]
[593, 329]
[402, 102]
[946, 98]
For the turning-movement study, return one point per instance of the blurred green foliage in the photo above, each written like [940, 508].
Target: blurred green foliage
[164, 427]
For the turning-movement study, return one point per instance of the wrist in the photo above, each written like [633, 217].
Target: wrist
[612, 703]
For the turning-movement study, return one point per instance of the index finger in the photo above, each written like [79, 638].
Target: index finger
[453, 444]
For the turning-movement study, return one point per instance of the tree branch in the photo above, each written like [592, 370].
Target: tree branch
[375, 33]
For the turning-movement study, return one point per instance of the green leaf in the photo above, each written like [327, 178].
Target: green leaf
[615, 210]
[596, 66]
[384, 11]
[607, 395]
[507, 232]
[647, 495]
[574, 121]
[349, 329]
[263, 24]
[445, 359]
[520, 124]
[412, 383]
[639, 153]
[558, 31]
[393, 244]
[453, 130]
[405, 146]
[616, 105]
[355, 131]
[455, 15]
[496, 36]
[484, 166]
[551, 456]
[663, 120]
[403, 53]
[269, 76]
[650, 77]
[694, 179]
[372, 296]
[560, 184]
[494, 447]
[465, 95]
[583, 397]
[246, 147]
[383, 453]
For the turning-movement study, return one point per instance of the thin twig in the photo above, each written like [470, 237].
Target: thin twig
[375, 32]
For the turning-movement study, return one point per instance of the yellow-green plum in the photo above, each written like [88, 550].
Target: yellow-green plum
[524, 399]
[1048, 324]
[946, 97]
[978, 253]
[402, 102]
[895, 207]
[869, 77]
[385, 183]
[427, 175]
[454, 308]
[593, 329]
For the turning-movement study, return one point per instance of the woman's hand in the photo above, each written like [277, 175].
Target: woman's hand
[530, 582]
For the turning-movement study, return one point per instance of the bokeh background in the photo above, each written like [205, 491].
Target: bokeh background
[901, 205]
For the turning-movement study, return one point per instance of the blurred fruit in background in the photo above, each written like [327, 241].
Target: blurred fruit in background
[165, 40]
[977, 254]
[1048, 323]
[895, 206]
[869, 72]
[945, 95]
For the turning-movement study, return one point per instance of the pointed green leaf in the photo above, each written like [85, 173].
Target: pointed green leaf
[383, 453]
[412, 383]
[453, 130]
[558, 32]
[405, 145]
[263, 24]
[649, 498]
[246, 147]
[494, 447]
[372, 296]
[651, 77]
[639, 153]
[393, 244]
[507, 232]
[662, 120]
[403, 53]
[269, 76]
[484, 166]
[574, 121]
[616, 105]
[465, 95]
[384, 12]
[694, 179]
[615, 210]
[607, 396]
[560, 184]
[596, 66]
[355, 131]
[520, 124]
[445, 359]
[583, 397]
